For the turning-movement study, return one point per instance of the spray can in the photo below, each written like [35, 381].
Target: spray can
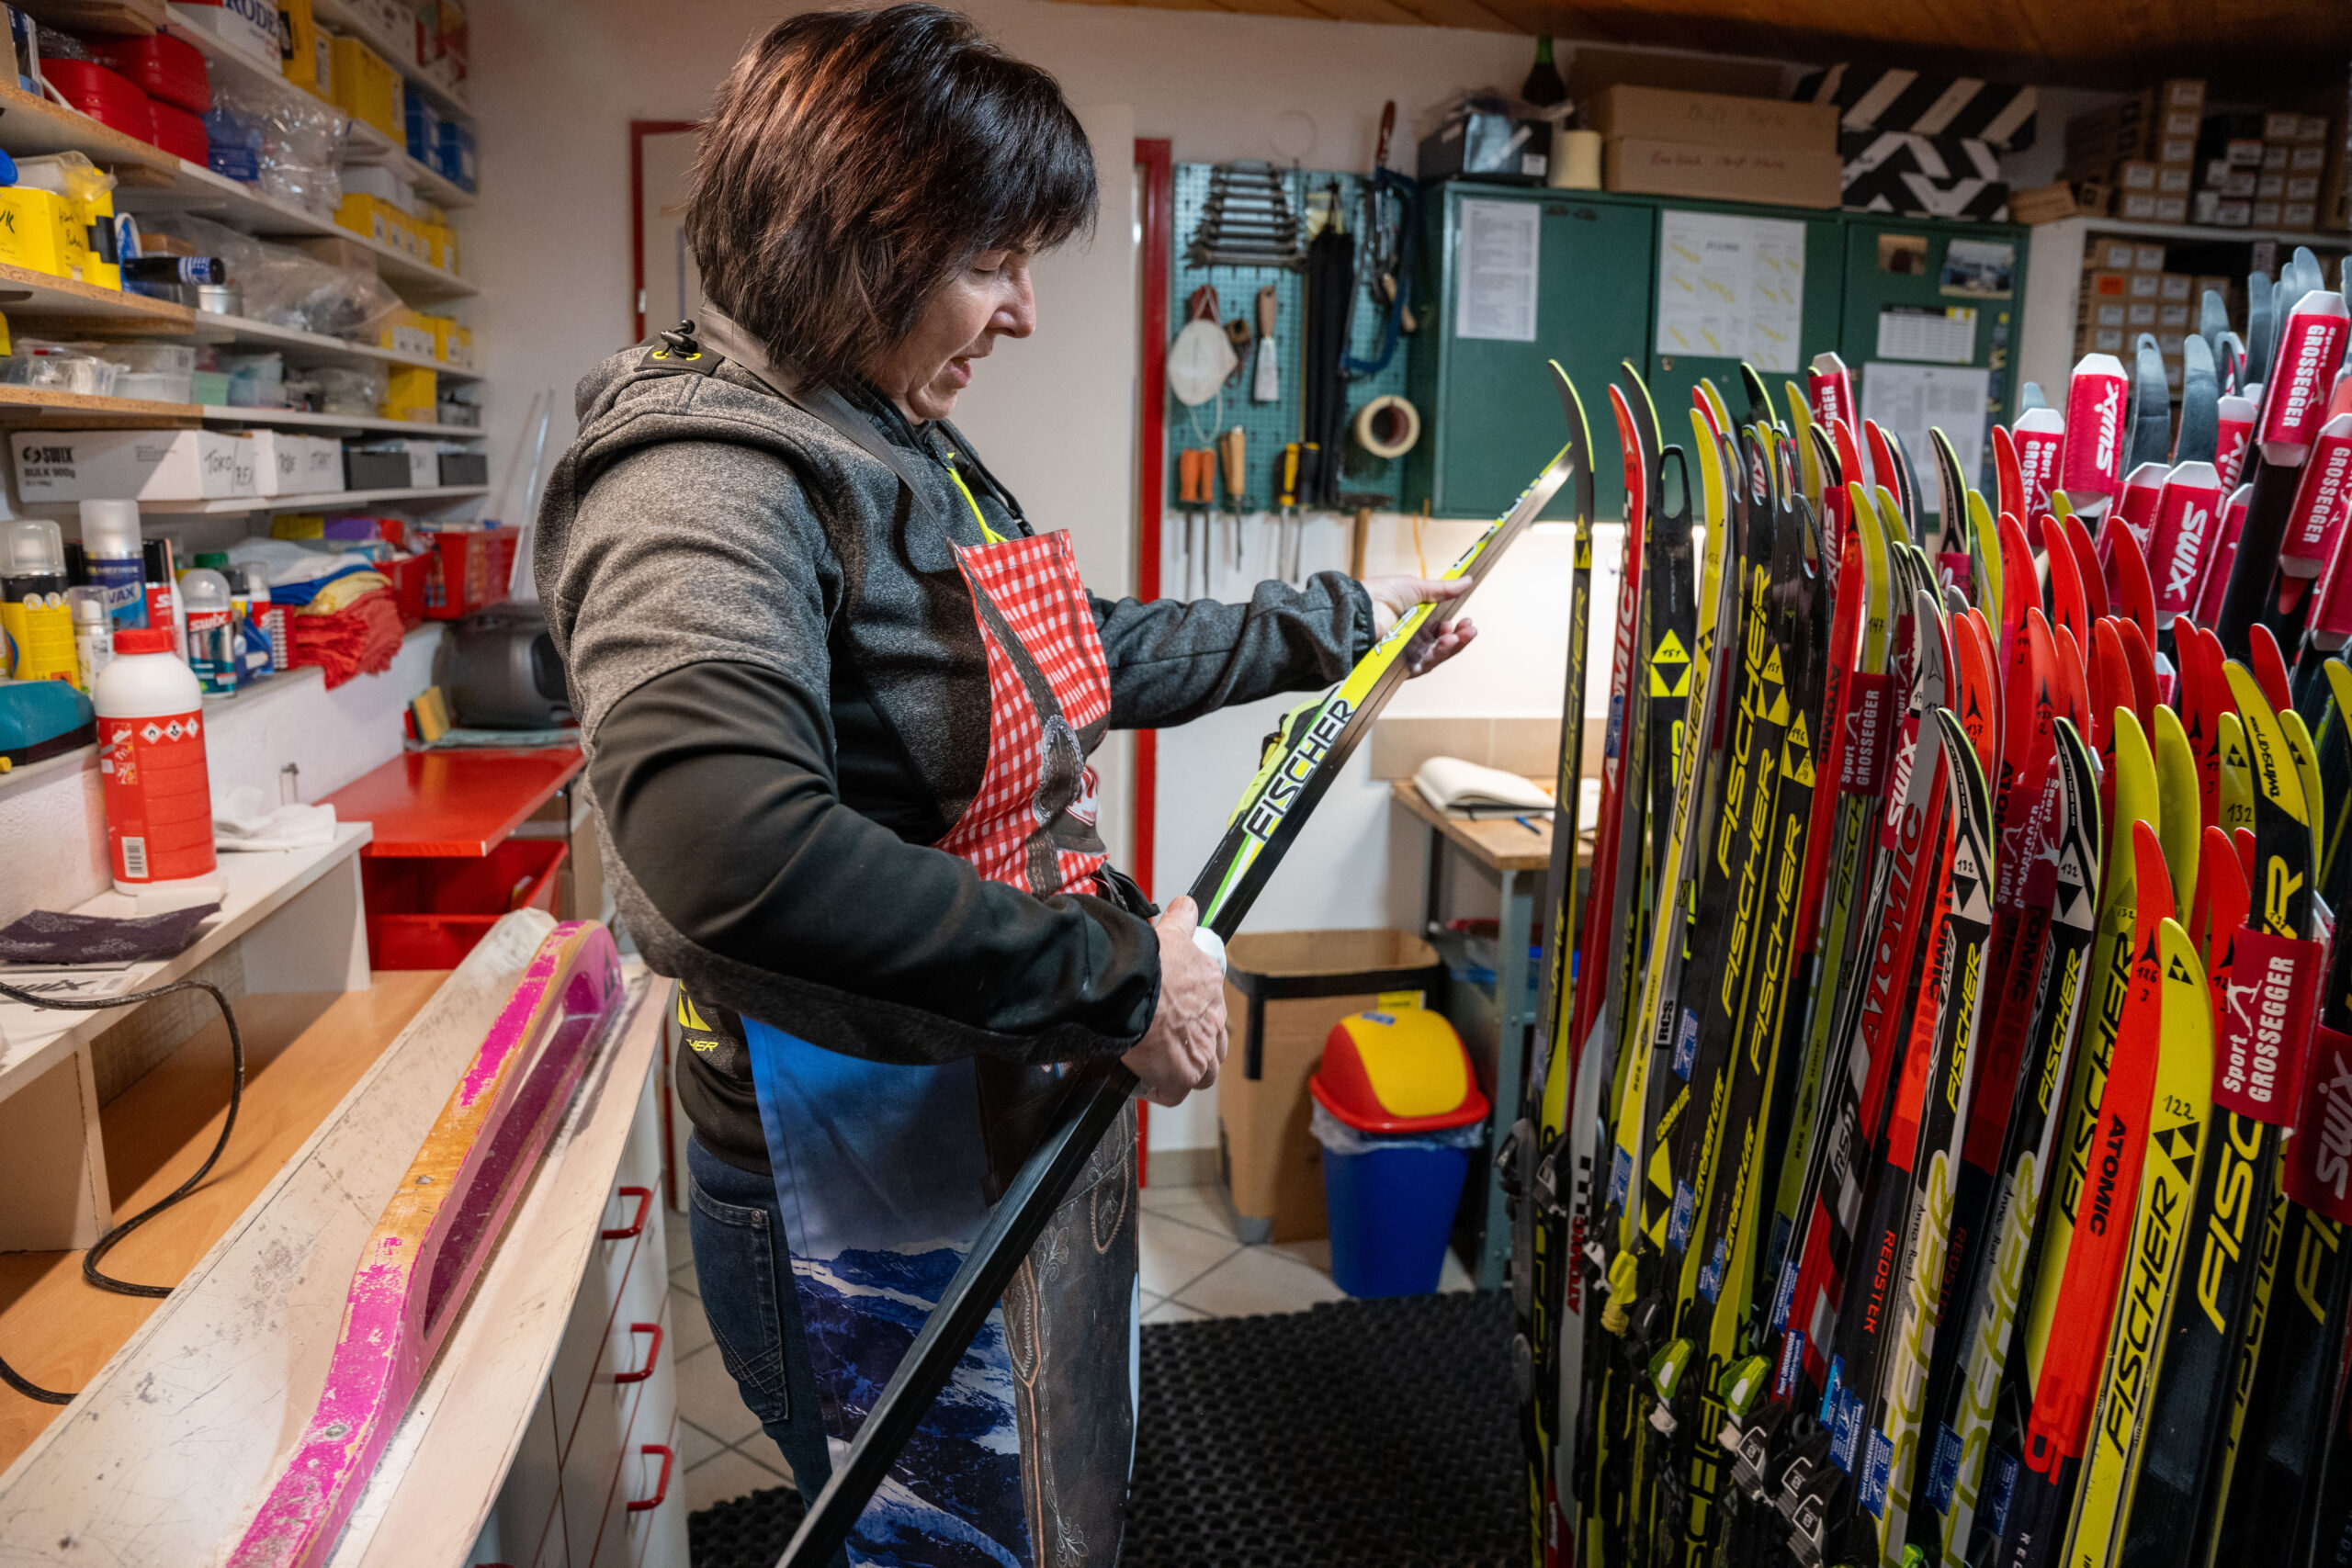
[152, 764]
[32, 602]
[211, 631]
[162, 592]
[110, 546]
[93, 635]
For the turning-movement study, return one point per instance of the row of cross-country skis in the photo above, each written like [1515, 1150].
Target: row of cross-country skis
[1939, 1123]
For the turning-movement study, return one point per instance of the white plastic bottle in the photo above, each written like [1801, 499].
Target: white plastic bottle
[211, 630]
[151, 765]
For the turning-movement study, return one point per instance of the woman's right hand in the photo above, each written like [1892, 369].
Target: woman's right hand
[1181, 1051]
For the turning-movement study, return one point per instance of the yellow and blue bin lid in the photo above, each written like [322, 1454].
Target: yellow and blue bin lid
[1397, 1070]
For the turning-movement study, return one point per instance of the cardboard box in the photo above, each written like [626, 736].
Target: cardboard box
[2108, 253]
[2049, 203]
[2101, 340]
[2139, 206]
[2182, 93]
[2269, 186]
[321, 465]
[2276, 156]
[1270, 1163]
[2175, 317]
[2135, 174]
[2300, 216]
[2306, 159]
[2283, 126]
[346, 254]
[142, 465]
[2146, 257]
[2172, 180]
[2267, 215]
[2104, 314]
[2107, 285]
[1724, 173]
[2140, 314]
[2172, 209]
[281, 462]
[1714, 119]
[2174, 286]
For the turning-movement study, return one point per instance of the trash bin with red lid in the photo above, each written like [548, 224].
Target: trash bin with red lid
[1398, 1111]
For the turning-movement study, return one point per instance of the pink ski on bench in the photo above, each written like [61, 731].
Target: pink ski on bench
[433, 1237]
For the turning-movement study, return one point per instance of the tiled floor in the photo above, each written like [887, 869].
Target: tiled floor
[1192, 1267]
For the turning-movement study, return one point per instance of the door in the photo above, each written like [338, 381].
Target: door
[669, 288]
[1493, 419]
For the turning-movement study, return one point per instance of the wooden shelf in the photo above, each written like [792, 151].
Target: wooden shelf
[44, 405]
[315, 348]
[31, 126]
[25, 294]
[208, 194]
[300, 419]
[257, 885]
[226, 505]
[303, 1053]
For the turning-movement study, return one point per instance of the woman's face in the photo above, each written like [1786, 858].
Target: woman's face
[989, 299]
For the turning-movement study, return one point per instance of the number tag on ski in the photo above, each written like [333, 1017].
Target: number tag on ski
[1784, 1376]
[2265, 1025]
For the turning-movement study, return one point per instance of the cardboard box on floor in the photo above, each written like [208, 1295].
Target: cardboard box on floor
[1270, 1164]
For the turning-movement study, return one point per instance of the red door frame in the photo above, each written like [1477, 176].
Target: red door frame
[1157, 173]
[639, 129]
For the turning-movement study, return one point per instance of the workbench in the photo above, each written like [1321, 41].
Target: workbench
[1495, 1020]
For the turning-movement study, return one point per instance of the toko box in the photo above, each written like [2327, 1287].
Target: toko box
[142, 465]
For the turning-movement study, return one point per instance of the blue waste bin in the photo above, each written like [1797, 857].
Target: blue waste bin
[1397, 1112]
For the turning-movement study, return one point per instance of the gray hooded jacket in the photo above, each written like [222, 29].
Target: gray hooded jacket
[783, 696]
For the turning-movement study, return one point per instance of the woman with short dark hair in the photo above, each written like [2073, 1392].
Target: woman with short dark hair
[837, 696]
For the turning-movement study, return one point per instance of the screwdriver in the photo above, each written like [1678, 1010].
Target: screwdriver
[1195, 481]
[1236, 481]
[1286, 499]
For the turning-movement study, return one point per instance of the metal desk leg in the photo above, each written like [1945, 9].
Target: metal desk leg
[1514, 1020]
[1433, 884]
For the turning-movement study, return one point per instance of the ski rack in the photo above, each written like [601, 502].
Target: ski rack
[434, 1235]
[1315, 741]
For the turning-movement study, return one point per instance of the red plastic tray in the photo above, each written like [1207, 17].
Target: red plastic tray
[101, 93]
[178, 132]
[427, 913]
[161, 66]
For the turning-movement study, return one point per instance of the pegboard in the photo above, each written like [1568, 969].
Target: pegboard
[1268, 427]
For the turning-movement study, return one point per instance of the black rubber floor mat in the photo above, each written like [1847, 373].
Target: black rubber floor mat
[1372, 1434]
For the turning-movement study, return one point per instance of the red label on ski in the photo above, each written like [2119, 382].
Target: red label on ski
[2266, 1015]
[2319, 1156]
[1867, 715]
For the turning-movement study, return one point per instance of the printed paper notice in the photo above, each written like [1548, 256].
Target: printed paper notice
[1911, 400]
[1945, 336]
[1500, 242]
[1731, 288]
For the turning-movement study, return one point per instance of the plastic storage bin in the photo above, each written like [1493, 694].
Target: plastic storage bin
[178, 132]
[427, 912]
[109, 98]
[1283, 992]
[469, 570]
[161, 66]
[1397, 1112]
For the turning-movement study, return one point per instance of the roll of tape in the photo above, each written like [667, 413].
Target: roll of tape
[1401, 419]
[1576, 160]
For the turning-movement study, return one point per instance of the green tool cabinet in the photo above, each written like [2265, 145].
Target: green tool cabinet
[1489, 419]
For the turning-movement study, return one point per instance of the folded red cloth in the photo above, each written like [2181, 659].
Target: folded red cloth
[361, 638]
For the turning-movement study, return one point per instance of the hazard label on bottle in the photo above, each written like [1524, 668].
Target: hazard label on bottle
[158, 796]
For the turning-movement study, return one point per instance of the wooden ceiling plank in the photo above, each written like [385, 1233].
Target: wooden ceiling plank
[1469, 16]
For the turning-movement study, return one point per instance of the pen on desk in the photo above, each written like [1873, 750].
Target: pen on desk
[1527, 822]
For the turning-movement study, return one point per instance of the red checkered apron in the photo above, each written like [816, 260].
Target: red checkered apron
[1032, 822]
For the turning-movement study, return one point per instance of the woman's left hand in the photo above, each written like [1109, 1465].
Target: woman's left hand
[1437, 642]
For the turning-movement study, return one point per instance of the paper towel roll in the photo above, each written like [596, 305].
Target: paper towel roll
[1576, 160]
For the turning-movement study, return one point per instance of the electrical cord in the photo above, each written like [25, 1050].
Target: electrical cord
[9, 1374]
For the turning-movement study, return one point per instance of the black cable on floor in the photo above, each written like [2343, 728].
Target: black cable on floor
[9, 1374]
